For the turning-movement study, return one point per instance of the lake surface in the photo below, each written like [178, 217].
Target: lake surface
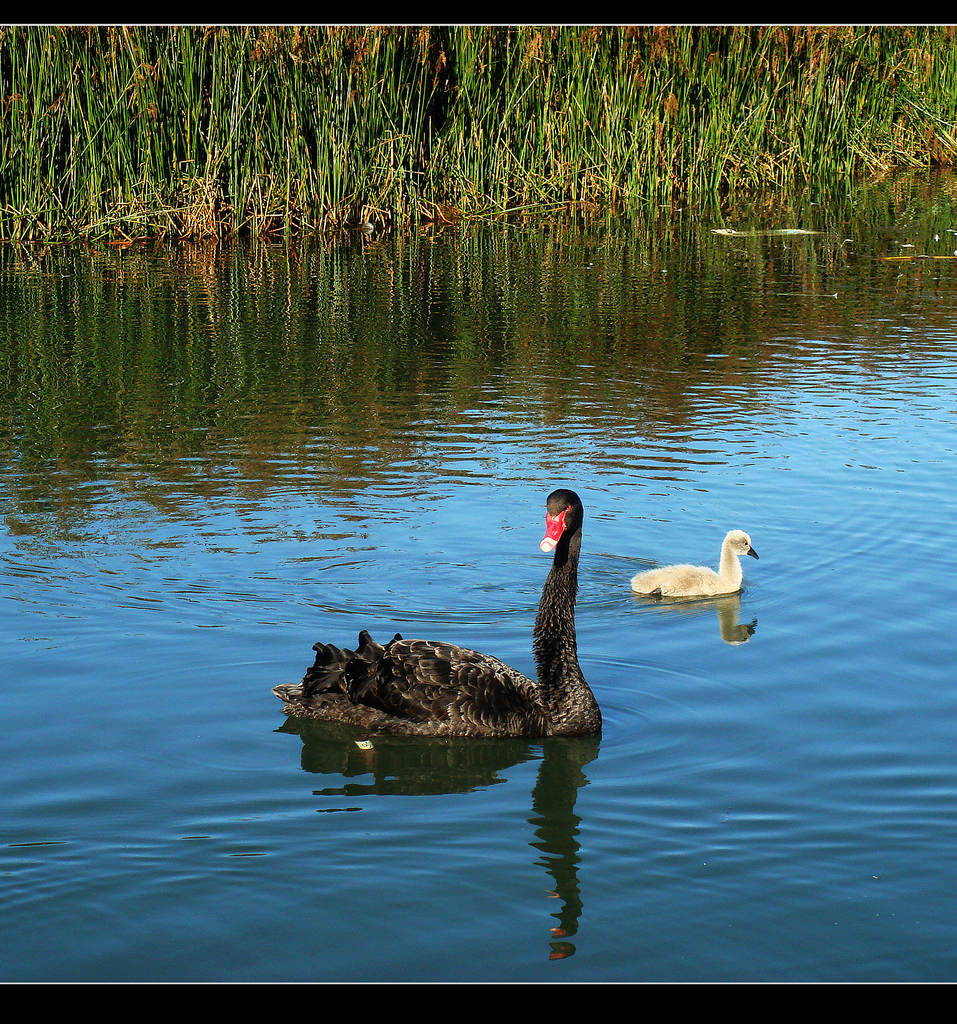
[212, 459]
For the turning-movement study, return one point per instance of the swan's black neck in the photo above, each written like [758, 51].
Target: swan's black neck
[568, 698]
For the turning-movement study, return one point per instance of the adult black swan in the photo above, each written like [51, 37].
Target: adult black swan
[423, 688]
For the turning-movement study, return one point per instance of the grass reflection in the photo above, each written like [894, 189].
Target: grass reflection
[169, 374]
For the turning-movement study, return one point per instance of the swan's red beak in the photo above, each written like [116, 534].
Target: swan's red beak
[554, 527]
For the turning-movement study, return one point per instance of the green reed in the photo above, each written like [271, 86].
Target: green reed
[130, 132]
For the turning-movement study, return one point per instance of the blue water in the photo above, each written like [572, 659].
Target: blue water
[208, 467]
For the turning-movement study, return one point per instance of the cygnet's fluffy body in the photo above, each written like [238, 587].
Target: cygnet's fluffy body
[699, 580]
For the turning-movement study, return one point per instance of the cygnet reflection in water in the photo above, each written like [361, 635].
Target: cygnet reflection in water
[728, 607]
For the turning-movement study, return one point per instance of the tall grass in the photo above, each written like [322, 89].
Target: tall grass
[182, 131]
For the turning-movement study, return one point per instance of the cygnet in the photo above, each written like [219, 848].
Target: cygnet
[699, 580]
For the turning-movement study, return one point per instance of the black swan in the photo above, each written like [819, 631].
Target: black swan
[423, 688]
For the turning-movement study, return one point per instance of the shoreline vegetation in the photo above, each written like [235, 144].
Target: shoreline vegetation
[144, 132]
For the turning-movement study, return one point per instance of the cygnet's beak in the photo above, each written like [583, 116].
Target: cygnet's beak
[752, 552]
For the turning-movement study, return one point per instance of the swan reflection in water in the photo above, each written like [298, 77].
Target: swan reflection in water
[413, 766]
[728, 608]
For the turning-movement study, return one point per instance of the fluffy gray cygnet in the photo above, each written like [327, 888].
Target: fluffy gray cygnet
[699, 580]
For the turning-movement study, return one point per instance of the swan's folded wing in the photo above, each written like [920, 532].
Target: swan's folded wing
[422, 680]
